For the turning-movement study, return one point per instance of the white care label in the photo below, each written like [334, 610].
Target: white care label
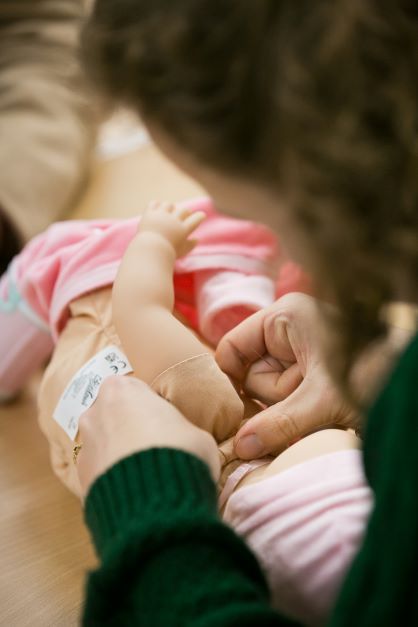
[82, 390]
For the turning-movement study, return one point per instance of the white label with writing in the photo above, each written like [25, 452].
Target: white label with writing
[82, 390]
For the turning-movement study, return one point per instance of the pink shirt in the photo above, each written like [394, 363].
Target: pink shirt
[73, 258]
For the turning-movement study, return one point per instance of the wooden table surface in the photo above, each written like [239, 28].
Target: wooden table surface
[45, 549]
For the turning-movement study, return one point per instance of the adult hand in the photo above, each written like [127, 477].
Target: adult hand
[276, 358]
[128, 417]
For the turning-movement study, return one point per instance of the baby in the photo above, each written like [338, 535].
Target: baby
[56, 299]
[302, 512]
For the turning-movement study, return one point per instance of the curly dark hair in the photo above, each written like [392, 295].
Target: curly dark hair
[316, 100]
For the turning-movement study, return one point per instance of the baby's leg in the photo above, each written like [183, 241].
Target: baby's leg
[304, 516]
[24, 347]
[236, 474]
[317, 444]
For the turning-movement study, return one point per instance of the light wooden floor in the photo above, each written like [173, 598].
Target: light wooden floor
[45, 550]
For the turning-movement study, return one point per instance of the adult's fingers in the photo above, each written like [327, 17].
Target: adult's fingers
[283, 331]
[314, 404]
[128, 417]
[242, 346]
[270, 381]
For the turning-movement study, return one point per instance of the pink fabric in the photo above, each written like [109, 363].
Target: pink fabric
[291, 279]
[305, 526]
[23, 347]
[239, 473]
[231, 273]
[224, 299]
[73, 258]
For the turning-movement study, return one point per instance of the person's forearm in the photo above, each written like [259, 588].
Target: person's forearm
[166, 558]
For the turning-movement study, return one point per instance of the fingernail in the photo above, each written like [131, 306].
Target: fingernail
[249, 447]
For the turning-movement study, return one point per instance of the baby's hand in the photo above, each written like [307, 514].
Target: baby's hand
[173, 223]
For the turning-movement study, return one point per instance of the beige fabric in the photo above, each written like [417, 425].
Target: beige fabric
[87, 332]
[197, 387]
[228, 458]
[204, 394]
[46, 117]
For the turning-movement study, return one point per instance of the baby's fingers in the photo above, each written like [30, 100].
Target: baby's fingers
[193, 221]
[182, 212]
[161, 206]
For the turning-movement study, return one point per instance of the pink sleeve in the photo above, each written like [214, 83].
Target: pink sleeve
[224, 299]
[305, 526]
[229, 275]
[293, 279]
[25, 341]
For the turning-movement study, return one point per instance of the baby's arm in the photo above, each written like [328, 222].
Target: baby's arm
[143, 293]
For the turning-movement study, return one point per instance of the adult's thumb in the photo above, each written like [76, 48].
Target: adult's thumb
[313, 405]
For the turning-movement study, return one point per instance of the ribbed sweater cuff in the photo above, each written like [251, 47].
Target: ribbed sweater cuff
[149, 485]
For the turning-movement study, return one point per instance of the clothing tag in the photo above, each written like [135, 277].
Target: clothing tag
[84, 387]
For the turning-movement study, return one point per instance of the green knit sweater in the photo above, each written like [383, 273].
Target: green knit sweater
[168, 561]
